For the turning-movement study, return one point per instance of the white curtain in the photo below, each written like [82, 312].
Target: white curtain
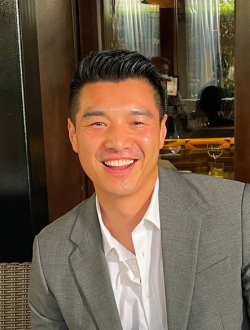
[135, 26]
[203, 42]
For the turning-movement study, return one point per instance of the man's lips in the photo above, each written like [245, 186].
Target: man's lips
[119, 163]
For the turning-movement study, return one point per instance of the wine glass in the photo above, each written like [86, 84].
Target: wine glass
[175, 149]
[214, 150]
[174, 146]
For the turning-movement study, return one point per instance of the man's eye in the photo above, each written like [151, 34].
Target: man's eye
[98, 123]
[137, 123]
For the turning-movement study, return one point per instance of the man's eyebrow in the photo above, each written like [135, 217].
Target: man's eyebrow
[93, 113]
[140, 112]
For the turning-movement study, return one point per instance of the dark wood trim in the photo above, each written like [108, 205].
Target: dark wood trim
[33, 119]
[88, 31]
[88, 26]
[23, 195]
[76, 34]
[167, 34]
[242, 94]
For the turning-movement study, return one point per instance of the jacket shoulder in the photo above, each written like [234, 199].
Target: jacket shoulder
[63, 225]
[203, 188]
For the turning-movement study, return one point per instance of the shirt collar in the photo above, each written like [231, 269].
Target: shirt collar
[152, 215]
[107, 238]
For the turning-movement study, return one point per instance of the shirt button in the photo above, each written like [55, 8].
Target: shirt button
[148, 295]
[134, 268]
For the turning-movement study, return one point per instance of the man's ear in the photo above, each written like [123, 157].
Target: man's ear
[163, 131]
[72, 135]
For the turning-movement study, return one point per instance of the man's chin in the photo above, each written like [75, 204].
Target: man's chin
[116, 191]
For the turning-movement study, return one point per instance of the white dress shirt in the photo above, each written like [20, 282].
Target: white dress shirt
[138, 280]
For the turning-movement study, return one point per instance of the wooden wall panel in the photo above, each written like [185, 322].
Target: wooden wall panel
[88, 42]
[57, 48]
[242, 95]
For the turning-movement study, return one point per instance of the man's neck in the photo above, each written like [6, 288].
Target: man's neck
[122, 215]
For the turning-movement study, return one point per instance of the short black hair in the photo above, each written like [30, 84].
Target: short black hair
[114, 65]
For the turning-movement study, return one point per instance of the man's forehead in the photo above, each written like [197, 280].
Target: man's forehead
[131, 98]
[133, 87]
[131, 92]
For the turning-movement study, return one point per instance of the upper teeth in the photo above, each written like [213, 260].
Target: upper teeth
[122, 162]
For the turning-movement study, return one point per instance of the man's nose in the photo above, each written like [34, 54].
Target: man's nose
[117, 138]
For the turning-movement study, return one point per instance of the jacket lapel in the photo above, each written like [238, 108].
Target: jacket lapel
[180, 226]
[90, 269]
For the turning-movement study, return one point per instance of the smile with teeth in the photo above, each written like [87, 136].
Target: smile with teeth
[118, 163]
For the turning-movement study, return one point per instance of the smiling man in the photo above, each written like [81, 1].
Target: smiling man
[152, 248]
[117, 133]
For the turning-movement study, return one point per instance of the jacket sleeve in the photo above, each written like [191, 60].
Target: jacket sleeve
[45, 312]
[246, 246]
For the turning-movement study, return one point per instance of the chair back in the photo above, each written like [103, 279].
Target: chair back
[14, 284]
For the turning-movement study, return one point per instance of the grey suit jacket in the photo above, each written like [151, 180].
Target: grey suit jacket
[205, 225]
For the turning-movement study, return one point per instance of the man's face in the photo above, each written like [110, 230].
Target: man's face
[117, 136]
